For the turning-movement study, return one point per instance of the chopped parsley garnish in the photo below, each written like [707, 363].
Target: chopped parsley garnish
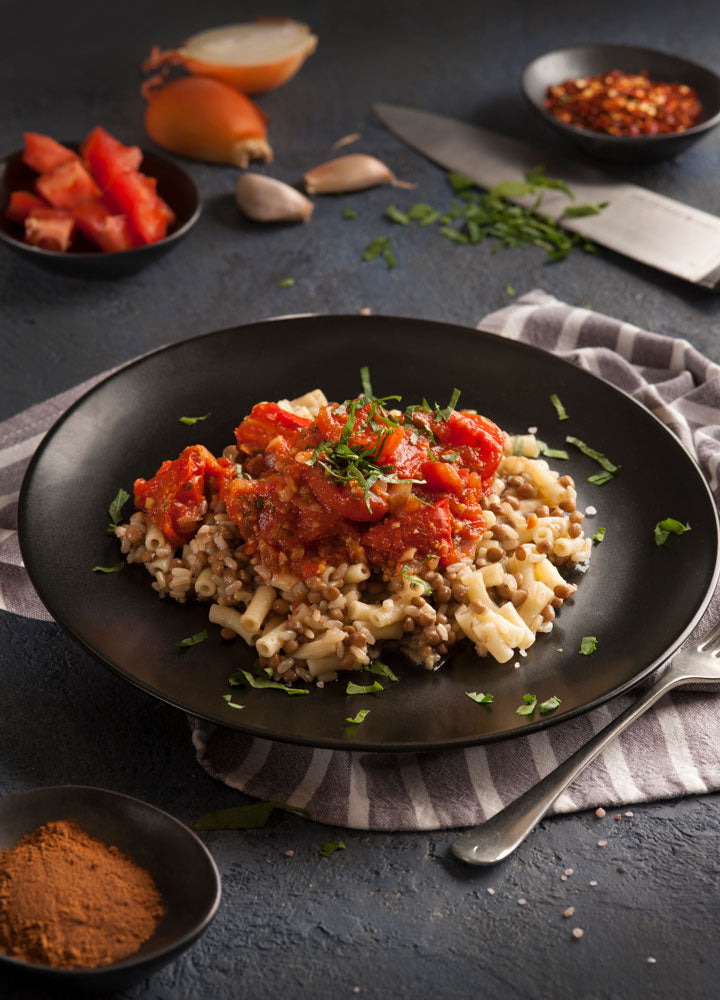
[395, 215]
[580, 211]
[363, 688]
[528, 706]
[244, 677]
[286, 283]
[115, 508]
[559, 408]
[669, 526]
[230, 702]
[609, 467]
[458, 182]
[109, 569]
[330, 846]
[422, 213]
[193, 640]
[480, 697]
[445, 414]
[360, 717]
[365, 382]
[549, 706]
[510, 291]
[382, 670]
[380, 247]
[349, 213]
[453, 234]
[250, 817]
[189, 421]
[416, 580]
[549, 452]
[588, 645]
[598, 536]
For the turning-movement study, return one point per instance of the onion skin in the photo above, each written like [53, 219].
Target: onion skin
[207, 120]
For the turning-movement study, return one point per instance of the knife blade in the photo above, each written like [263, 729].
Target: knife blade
[638, 223]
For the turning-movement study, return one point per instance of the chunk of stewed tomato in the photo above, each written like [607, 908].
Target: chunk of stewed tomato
[107, 157]
[111, 233]
[135, 195]
[346, 500]
[175, 500]
[423, 528]
[43, 154]
[49, 228]
[67, 185]
[265, 422]
[21, 203]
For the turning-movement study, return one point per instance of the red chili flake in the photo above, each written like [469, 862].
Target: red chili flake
[624, 104]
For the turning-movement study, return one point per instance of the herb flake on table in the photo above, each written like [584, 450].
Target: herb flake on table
[349, 213]
[241, 677]
[669, 526]
[528, 706]
[189, 421]
[249, 817]
[286, 283]
[359, 718]
[109, 569]
[395, 215]
[480, 697]
[380, 247]
[115, 509]
[598, 536]
[510, 291]
[193, 640]
[330, 846]
[373, 688]
[562, 413]
[588, 645]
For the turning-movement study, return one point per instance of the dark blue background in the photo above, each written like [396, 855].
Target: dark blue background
[393, 914]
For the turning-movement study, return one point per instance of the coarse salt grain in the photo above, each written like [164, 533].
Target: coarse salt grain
[522, 901]
[563, 877]
[628, 813]
[491, 892]
[593, 882]
[532, 430]
[568, 871]
[577, 932]
[600, 812]
[602, 843]
[569, 912]
[590, 510]
[651, 960]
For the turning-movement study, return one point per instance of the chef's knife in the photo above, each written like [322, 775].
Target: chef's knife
[638, 223]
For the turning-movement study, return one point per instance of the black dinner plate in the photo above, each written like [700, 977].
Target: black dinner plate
[639, 600]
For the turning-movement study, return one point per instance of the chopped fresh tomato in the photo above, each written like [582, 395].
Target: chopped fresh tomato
[43, 154]
[111, 233]
[346, 500]
[135, 195]
[175, 500]
[67, 185]
[49, 228]
[426, 528]
[107, 157]
[265, 422]
[443, 476]
[21, 204]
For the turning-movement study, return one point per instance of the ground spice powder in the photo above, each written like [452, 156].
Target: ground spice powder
[70, 901]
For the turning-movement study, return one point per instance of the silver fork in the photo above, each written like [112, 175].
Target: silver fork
[506, 830]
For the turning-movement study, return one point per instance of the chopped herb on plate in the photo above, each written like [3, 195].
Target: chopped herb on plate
[244, 677]
[230, 702]
[598, 536]
[115, 508]
[359, 718]
[189, 421]
[363, 688]
[109, 569]
[559, 408]
[193, 640]
[528, 706]
[588, 645]
[669, 526]
[480, 697]
[548, 706]
[382, 670]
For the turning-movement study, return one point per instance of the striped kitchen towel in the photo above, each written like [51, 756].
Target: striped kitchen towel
[670, 751]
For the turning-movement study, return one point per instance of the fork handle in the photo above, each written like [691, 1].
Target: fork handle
[502, 833]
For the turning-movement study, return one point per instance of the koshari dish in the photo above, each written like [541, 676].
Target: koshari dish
[328, 530]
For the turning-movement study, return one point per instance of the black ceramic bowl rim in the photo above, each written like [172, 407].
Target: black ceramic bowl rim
[155, 958]
[134, 253]
[618, 140]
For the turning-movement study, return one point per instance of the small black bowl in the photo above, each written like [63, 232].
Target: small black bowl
[84, 259]
[183, 869]
[589, 60]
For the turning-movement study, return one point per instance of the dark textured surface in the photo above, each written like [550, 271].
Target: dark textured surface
[392, 915]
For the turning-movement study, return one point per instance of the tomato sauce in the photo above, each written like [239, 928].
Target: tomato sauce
[359, 483]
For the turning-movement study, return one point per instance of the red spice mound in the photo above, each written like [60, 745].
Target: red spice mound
[624, 104]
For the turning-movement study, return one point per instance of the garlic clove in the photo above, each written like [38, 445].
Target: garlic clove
[265, 199]
[353, 172]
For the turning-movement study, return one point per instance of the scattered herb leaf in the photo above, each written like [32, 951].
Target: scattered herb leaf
[669, 526]
[530, 701]
[549, 706]
[286, 283]
[382, 670]
[244, 677]
[588, 645]
[115, 508]
[458, 182]
[109, 569]
[580, 211]
[598, 457]
[189, 421]
[395, 215]
[360, 717]
[380, 247]
[193, 640]
[598, 536]
[330, 846]
[250, 817]
[363, 688]
[510, 291]
[600, 478]
[549, 452]
[480, 697]
[365, 382]
[559, 408]
[349, 213]
[230, 702]
[417, 580]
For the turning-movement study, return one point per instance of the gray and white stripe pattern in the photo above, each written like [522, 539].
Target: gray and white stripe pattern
[670, 751]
